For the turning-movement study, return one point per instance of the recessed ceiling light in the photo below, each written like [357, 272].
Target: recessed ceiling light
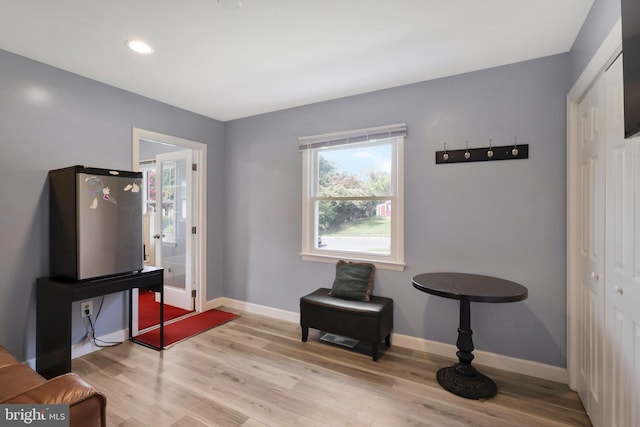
[139, 46]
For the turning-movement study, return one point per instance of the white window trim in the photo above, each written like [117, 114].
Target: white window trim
[395, 261]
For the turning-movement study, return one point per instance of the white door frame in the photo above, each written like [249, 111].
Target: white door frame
[608, 51]
[200, 158]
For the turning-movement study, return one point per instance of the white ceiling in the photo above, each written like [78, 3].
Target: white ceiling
[275, 54]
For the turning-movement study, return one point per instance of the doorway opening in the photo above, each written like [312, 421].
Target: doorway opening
[174, 216]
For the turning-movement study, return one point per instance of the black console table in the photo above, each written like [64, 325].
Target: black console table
[462, 378]
[53, 312]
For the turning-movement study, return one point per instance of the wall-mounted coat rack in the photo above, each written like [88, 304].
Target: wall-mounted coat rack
[483, 154]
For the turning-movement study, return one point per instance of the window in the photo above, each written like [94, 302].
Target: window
[352, 196]
[168, 209]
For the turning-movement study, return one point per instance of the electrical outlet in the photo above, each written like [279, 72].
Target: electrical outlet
[86, 308]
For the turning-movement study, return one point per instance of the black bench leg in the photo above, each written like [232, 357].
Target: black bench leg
[374, 351]
[305, 333]
[387, 339]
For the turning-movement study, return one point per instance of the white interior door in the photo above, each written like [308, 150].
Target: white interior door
[591, 257]
[174, 220]
[622, 262]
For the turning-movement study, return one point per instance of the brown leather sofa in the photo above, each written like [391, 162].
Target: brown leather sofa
[20, 384]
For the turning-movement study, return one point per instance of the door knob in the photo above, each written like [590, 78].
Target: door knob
[594, 275]
[156, 236]
[619, 290]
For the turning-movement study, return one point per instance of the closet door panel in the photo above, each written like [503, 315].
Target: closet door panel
[622, 290]
[592, 250]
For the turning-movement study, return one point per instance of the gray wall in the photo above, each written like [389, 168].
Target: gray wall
[500, 218]
[49, 119]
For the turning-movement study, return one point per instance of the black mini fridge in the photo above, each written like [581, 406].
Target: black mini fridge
[95, 222]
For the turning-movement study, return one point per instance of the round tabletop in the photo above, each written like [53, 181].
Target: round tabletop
[476, 287]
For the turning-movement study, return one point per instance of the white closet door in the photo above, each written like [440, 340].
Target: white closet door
[591, 287]
[622, 262]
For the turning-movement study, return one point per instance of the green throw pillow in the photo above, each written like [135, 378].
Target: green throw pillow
[354, 280]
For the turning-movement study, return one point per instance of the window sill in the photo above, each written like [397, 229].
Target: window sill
[332, 259]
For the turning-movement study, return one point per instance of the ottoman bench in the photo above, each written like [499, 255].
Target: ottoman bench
[370, 321]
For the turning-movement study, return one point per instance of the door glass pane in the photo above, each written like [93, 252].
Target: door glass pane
[174, 221]
[168, 201]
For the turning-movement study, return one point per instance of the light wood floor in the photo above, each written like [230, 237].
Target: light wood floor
[255, 371]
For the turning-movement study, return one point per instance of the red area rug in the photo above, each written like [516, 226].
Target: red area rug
[149, 310]
[187, 327]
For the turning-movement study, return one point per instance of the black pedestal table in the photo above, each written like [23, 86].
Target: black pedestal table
[462, 378]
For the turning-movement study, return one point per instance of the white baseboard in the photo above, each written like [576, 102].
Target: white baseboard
[511, 364]
[81, 349]
[507, 363]
[275, 313]
[493, 360]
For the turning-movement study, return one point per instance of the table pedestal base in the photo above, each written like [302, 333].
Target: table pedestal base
[476, 387]
[463, 379]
